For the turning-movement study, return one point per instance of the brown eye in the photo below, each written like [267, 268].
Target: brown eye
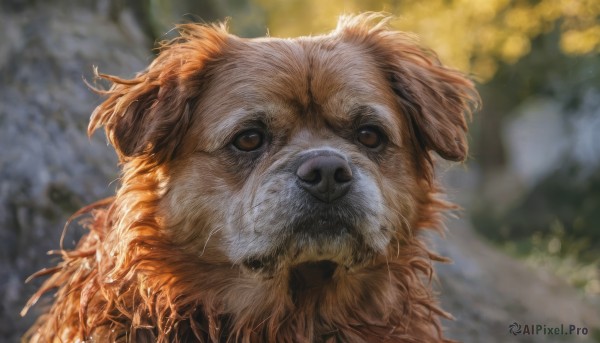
[369, 137]
[249, 140]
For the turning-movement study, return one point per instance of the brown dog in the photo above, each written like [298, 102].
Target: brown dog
[273, 190]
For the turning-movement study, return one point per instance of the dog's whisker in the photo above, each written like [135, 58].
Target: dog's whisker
[387, 263]
[406, 225]
[210, 234]
[251, 208]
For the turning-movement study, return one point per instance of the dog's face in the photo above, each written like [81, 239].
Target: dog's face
[279, 155]
[298, 151]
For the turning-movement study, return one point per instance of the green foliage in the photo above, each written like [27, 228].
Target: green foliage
[556, 225]
[474, 36]
[563, 203]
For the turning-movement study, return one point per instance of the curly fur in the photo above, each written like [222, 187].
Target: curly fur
[130, 280]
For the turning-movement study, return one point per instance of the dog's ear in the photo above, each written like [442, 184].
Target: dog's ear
[143, 116]
[437, 100]
[148, 115]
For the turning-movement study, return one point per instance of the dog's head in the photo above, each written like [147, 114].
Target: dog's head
[308, 155]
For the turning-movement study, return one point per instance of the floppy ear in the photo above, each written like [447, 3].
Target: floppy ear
[148, 115]
[142, 116]
[436, 100]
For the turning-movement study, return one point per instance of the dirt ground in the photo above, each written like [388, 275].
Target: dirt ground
[487, 291]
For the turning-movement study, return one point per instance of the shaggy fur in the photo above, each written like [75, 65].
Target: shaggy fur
[194, 247]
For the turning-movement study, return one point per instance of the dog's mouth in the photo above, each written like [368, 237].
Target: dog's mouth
[302, 276]
[312, 275]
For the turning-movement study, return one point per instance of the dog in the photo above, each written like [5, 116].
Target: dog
[272, 190]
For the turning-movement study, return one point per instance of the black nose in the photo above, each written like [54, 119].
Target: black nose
[327, 177]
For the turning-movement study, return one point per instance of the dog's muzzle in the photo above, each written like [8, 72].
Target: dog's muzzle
[320, 212]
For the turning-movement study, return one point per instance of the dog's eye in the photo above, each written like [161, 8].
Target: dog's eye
[370, 137]
[249, 140]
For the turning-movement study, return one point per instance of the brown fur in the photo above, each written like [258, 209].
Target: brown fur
[153, 266]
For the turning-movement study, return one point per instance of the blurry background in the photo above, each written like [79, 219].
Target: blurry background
[527, 248]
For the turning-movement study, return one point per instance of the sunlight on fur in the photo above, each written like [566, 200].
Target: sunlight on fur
[272, 190]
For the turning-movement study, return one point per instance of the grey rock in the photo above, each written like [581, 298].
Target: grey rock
[48, 165]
